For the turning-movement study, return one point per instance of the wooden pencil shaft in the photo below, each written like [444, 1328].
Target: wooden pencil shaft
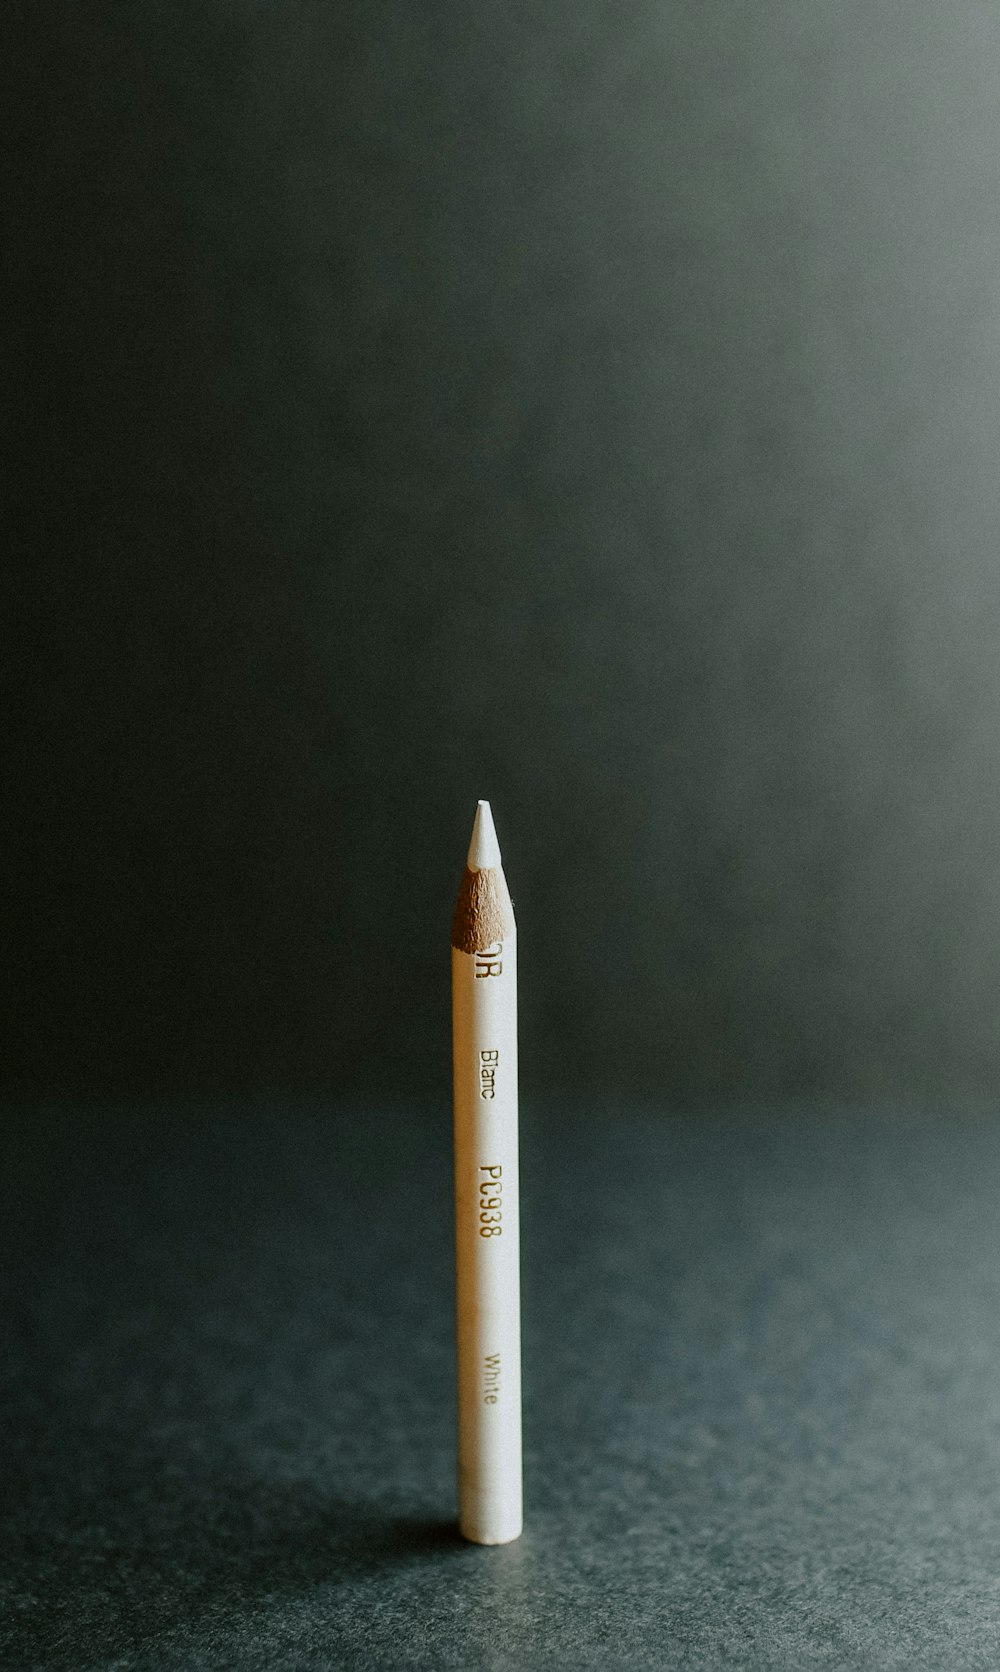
[484, 995]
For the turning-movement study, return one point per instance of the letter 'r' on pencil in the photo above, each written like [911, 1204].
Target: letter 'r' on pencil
[484, 1032]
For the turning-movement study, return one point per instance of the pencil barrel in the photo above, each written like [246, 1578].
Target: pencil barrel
[484, 991]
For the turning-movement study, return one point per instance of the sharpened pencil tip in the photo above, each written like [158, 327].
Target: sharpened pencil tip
[484, 849]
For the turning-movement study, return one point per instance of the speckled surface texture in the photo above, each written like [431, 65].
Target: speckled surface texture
[762, 1393]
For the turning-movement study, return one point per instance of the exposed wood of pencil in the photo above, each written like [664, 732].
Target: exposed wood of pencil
[484, 913]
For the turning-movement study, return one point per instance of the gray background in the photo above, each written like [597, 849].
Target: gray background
[591, 407]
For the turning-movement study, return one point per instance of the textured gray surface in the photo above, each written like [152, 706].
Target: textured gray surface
[762, 1394]
[585, 406]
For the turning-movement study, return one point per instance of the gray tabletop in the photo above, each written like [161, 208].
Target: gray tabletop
[762, 1392]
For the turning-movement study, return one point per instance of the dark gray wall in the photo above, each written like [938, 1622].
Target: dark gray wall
[589, 406]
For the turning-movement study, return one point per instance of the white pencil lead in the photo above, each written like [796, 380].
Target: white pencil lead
[484, 849]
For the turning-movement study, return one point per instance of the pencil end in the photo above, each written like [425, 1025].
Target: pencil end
[484, 849]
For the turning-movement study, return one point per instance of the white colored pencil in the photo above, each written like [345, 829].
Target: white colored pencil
[484, 1016]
